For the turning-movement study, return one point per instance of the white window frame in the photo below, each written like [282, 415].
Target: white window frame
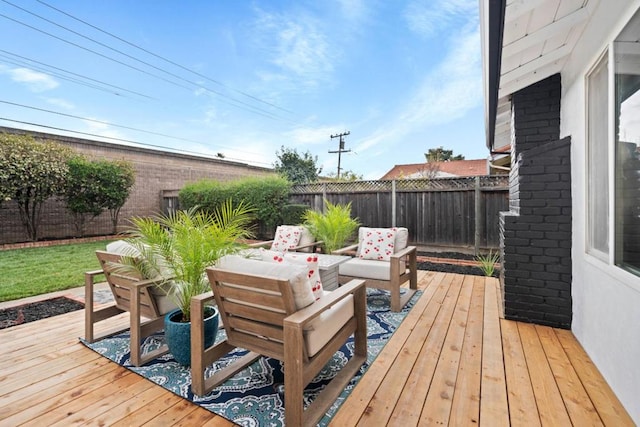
[589, 248]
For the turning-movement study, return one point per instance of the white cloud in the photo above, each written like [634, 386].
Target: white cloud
[447, 93]
[427, 18]
[305, 136]
[34, 80]
[62, 103]
[103, 129]
[298, 47]
[354, 10]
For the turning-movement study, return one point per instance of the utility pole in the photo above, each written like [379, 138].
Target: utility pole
[340, 148]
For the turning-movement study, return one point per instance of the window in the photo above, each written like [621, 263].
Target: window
[598, 160]
[627, 153]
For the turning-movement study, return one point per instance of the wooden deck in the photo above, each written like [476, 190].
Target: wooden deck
[453, 361]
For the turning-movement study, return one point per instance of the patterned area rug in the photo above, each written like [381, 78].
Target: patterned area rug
[254, 396]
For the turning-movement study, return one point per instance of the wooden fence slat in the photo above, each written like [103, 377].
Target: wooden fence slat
[439, 212]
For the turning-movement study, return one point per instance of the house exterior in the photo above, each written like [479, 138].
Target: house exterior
[562, 90]
[450, 169]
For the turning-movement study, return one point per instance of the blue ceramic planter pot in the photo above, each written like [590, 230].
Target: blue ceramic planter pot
[178, 334]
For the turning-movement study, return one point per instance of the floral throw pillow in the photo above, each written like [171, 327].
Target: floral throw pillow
[377, 244]
[287, 237]
[310, 261]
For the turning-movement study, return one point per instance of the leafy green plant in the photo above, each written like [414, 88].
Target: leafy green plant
[30, 173]
[487, 263]
[178, 247]
[95, 186]
[334, 227]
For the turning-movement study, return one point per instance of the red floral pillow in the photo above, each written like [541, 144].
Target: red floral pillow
[287, 237]
[310, 261]
[377, 244]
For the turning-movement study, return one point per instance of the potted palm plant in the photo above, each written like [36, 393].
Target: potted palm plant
[178, 248]
[334, 227]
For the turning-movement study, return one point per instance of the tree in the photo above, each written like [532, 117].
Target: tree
[298, 169]
[345, 176]
[30, 173]
[441, 155]
[94, 186]
[430, 170]
[83, 192]
[117, 178]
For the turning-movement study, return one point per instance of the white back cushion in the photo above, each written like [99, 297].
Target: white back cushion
[121, 247]
[308, 260]
[296, 275]
[306, 239]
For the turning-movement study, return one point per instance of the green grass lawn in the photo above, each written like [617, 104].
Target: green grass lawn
[35, 271]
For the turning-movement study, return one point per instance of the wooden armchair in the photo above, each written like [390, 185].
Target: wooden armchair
[143, 299]
[290, 238]
[384, 260]
[259, 314]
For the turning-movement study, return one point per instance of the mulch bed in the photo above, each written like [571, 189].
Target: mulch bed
[37, 310]
[451, 262]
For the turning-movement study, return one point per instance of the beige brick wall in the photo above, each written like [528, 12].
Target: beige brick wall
[157, 172]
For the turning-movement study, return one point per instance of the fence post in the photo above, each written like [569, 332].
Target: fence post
[393, 203]
[478, 218]
[324, 194]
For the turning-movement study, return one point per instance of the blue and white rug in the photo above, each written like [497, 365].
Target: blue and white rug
[254, 396]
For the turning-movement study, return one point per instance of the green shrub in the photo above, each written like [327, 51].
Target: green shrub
[293, 214]
[268, 196]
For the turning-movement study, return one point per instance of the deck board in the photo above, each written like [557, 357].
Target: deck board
[523, 411]
[453, 361]
[551, 406]
[465, 409]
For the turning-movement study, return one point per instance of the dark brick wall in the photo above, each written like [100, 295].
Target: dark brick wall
[536, 233]
[157, 173]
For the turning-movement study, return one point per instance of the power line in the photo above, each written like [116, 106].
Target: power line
[115, 125]
[249, 107]
[134, 58]
[121, 140]
[21, 62]
[164, 59]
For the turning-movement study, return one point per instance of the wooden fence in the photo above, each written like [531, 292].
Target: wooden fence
[445, 212]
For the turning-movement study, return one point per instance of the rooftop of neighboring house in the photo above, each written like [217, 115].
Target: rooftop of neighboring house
[453, 168]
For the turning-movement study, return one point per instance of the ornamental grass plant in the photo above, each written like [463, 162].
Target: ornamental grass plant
[334, 227]
[179, 247]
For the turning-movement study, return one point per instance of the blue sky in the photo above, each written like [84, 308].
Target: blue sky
[244, 78]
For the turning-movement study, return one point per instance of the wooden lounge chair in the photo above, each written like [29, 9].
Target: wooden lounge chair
[143, 299]
[385, 268]
[260, 314]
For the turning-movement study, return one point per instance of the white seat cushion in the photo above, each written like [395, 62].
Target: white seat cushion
[161, 293]
[164, 301]
[366, 269]
[327, 324]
